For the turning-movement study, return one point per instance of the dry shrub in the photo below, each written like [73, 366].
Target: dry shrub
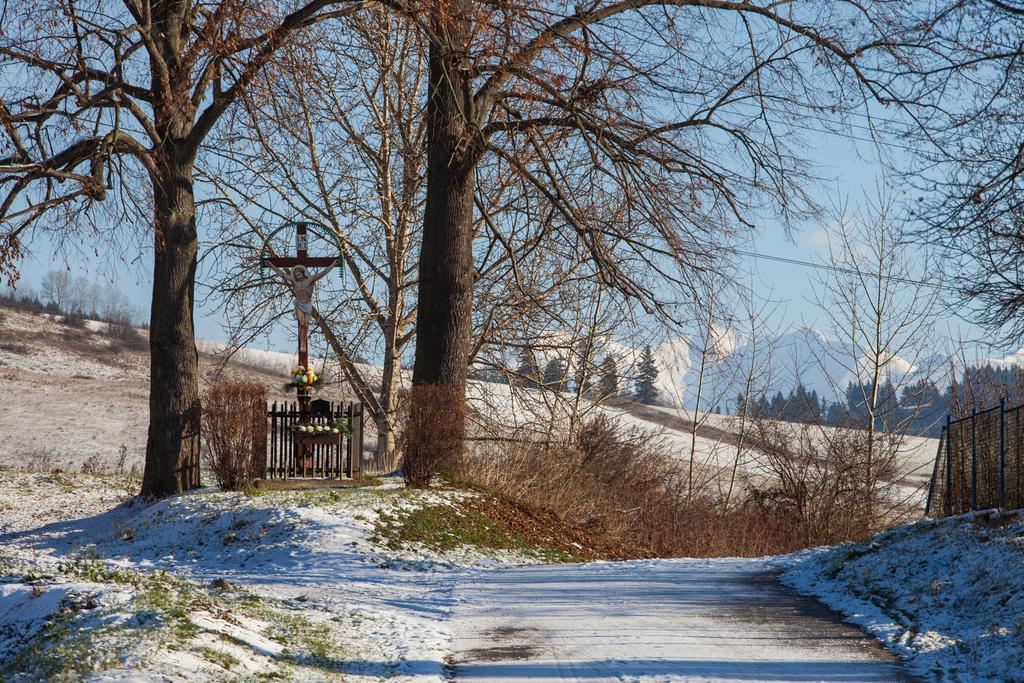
[434, 432]
[627, 488]
[92, 465]
[818, 479]
[126, 337]
[235, 432]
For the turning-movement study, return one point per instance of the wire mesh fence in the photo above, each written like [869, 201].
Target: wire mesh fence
[980, 463]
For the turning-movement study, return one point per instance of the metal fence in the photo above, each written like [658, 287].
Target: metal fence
[980, 463]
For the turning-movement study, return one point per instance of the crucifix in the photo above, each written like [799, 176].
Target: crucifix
[294, 270]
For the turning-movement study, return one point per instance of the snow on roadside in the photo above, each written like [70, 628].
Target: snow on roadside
[211, 585]
[947, 595]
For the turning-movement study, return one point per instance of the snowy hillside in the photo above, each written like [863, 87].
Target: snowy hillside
[79, 397]
[90, 397]
[946, 595]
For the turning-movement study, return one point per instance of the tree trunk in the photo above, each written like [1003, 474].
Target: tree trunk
[388, 417]
[385, 441]
[172, 448]
[446, 275]
[444, 316]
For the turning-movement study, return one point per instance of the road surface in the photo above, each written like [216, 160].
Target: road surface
[681, 620]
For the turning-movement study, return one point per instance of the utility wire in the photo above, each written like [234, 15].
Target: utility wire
[839, 269]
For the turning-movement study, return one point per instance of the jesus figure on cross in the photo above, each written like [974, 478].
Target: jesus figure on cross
[301, 284]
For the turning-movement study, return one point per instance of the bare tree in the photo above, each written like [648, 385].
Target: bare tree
[880, 306]
[56, 288]
[680, 113]
[572, 327]
[970, 154]
[346, 147]
[337, 138]
[114, 100]
[752, 372]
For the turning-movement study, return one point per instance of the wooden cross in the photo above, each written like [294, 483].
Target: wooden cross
[302, 258]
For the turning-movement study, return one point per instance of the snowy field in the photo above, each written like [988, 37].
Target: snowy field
[86, 405]
[73, 397]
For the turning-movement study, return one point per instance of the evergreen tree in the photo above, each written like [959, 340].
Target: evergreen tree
[555, 374]
[777, 406]
[647, 377]
[529, 375]
[608, 381]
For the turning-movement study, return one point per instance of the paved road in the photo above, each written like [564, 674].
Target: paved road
[684, 620]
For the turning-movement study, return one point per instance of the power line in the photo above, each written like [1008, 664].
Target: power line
[838, 269]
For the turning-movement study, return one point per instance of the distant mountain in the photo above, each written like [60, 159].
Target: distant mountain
[801, 356]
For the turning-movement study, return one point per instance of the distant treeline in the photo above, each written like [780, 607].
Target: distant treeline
[597, 380]
[75, 297]
[919, 408]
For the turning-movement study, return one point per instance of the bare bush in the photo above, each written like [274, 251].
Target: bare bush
[235, 432]
[627, 489]
[126, 338]
[122, 458]
[433, 432]
[92, 465]
[40, 461]
[816, 478]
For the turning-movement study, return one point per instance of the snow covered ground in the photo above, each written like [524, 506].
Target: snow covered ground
[946, 595]
[298, 585]
[301, 586]
[211, 585]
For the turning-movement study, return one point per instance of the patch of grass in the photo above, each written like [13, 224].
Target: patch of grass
[172, 601]
[66, 482]
[251, 491]
[64, 652]
[88, 566]
[306, 642]
[224, 660]
[443, 527]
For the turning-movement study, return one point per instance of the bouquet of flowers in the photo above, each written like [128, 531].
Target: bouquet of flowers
[339, 426]
[303, 378]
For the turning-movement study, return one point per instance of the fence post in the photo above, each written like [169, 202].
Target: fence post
[974, 459]
[356, 441]
[272, 464]
[949, 466]
[935, 472]
[1002, 452]
[1018, 491]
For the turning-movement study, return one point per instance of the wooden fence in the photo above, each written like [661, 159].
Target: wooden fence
[980, 463]
[324, 456]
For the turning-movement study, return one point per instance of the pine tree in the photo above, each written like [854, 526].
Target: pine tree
[647, 377]
[555, 374]
[608, 382]
[528, 374]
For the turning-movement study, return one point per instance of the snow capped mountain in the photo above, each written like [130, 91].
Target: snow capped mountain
[800, 356]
